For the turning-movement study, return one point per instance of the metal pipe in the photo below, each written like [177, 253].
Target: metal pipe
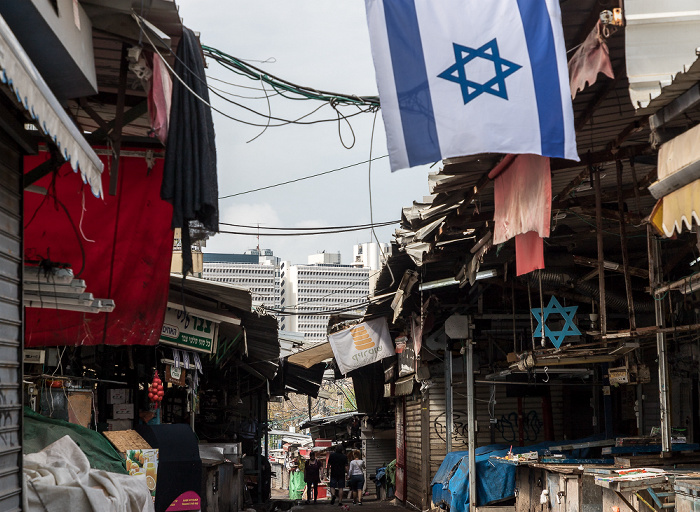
[471, 419]
[654, 278]
[601, 255]
[449, 413]
[623, 246]
[532, 324]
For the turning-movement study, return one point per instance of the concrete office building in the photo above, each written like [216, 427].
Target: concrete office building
[300, 291]
[255, 269]
[323, 284]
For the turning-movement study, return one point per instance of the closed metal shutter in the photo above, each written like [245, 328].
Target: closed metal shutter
[377, 453]
[11, 333]
[505, 411]
[414, 485]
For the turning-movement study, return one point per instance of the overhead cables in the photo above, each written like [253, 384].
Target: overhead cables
[282, 86]
[303, 178]
[359, 226]
[307, 233]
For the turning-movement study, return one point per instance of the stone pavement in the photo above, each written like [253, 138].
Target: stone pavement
[369, 504]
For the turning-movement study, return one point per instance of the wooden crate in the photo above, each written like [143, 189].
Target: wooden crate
[124, 440]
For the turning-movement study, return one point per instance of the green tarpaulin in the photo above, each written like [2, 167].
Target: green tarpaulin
[40, 431]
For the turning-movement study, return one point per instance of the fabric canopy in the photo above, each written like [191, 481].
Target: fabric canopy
[120, 245]
[19, 73]
[309, 357]
[681, 206]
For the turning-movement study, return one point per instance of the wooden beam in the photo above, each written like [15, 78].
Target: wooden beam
[602, 157]
[94, 115]
[614, 215]
[572, 185]
[118, 122]
[43, 169]
[599, 98]
[130, 116]
[590, 262]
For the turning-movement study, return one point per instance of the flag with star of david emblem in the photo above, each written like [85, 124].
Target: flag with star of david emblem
[461, 77]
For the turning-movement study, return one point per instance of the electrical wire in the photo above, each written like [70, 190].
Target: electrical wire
[305, 233]
[311, 229]
[257, 74]
[303, 178]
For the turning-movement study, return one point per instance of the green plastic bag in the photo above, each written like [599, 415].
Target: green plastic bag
[296, 485]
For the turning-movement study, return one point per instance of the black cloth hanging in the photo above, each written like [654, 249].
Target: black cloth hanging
[189, 175]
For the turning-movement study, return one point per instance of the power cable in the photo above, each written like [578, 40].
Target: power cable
[303, 178]
[311, 229]
[305, 233]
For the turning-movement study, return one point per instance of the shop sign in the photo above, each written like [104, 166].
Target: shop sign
[175, 375]
[188, 331]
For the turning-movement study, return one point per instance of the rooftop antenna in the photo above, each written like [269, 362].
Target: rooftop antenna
[258, 239]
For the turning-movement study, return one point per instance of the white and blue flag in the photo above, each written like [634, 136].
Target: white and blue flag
[461, 77]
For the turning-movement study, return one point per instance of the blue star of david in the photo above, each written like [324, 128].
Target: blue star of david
[556, 337]
[470, 90]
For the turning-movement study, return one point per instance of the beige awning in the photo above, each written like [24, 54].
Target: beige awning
[18, 72]
[678, 171]
[311, 356]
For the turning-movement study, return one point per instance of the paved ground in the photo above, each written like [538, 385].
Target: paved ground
[369, 504]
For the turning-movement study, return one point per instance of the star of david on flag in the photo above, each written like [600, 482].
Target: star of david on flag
[461, 77]
[568, 313]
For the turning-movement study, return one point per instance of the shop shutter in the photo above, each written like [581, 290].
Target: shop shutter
[10, 325]
[377, 453]
[414, 485]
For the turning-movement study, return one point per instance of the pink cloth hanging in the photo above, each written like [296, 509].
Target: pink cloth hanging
[591, 58]
[159, 99]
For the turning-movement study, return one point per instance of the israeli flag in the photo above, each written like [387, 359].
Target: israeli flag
[461, 77]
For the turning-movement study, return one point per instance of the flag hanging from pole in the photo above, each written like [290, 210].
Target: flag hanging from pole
[461, 77]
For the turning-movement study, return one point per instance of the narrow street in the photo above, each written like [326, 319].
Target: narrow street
[324, 505]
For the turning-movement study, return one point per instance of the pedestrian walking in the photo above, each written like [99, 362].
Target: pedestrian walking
[357, 477]
[337, 467]
[312, 476]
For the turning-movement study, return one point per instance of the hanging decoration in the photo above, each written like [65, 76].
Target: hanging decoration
[568, 313]
[155, 391]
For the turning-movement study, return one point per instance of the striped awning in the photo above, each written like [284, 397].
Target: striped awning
[19, 73]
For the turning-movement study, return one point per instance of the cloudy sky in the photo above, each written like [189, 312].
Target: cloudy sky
[319, 44]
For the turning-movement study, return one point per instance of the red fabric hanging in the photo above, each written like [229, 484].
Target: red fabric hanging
[529, 252]
[128, 262]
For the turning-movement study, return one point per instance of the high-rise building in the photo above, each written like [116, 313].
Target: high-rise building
[373, 256]
[300, 295]
[255, 269]
[308, 291]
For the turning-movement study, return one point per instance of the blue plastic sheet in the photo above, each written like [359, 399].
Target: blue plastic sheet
[494, 481]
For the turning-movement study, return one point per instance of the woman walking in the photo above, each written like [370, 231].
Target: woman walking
[312, 476]
[357, 477]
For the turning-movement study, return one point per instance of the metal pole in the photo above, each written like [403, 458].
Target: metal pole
[595, 174]
[654, 279]
[623, 246]
[449, 413]
[471, 418]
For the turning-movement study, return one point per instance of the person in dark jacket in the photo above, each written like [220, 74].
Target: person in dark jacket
[337, 467]
[312, 477]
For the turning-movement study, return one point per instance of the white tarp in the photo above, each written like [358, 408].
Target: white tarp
[59, 479]
[35, 96]
[363, 344]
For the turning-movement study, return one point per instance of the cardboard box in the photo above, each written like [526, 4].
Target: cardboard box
[119, 424]
[116, 396]
[123, 411]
